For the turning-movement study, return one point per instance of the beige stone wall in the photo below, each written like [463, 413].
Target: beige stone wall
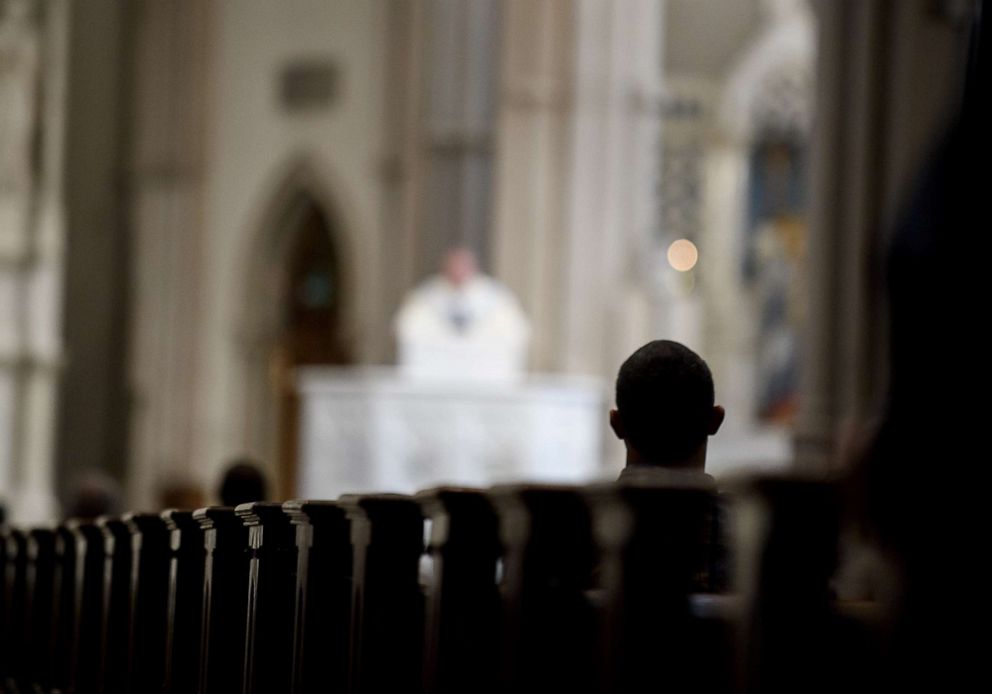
[199, 345]
[199, 174]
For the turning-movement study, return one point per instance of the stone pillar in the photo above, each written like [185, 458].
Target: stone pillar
[33, 43]
[403, 163]
[93, 403]
[532, 163]
[577, 157]
[888, 73]
[165, 165]
[730, 329]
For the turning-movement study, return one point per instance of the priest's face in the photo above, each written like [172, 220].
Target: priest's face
[460, 266]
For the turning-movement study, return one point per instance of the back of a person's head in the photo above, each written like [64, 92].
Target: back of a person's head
[93, 493]
[243, 482]
[665, 400]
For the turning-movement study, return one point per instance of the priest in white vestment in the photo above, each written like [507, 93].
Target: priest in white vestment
[462, 325]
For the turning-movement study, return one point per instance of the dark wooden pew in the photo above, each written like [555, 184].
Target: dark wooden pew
[5, 532]
[116, 606]
[85, 676]
[655, 533]
[39, 596]
[461, 650]
[387, 608]
[65, 605]
[549, 635]
[185, 603]
[149, 600]
[791, 634]
[13, 648]
[527, 588]
[271, 597]
[323, 596]
[225, 600]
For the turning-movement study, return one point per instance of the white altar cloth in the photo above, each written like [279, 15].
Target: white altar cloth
[369, 430]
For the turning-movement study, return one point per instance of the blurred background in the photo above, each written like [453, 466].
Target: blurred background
[198, 197]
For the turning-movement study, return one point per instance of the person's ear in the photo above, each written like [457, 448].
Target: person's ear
[716, 419]
[616, 423]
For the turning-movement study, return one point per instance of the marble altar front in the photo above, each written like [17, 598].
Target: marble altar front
[373, 430]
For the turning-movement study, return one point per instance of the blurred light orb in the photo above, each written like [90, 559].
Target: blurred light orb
[682, 255]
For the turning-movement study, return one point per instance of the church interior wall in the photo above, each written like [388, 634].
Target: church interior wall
[345, 143]
[184, 146]
[251, 146]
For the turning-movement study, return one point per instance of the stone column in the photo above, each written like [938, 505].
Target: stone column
[33, 42]
[403, 163]
[577, 157]
[165, 163]
[92, 419]
[888, 72]
[532, 164]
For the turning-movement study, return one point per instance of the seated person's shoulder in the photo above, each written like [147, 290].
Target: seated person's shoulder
[654, 474]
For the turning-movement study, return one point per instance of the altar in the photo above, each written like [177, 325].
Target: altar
[371, 429]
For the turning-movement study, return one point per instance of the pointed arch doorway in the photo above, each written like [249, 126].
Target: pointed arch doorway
[294, 317]
[310, 332]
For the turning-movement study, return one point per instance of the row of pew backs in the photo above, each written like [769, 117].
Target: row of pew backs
[605, 588]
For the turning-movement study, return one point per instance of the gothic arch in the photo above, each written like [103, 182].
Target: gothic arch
[300, 198]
